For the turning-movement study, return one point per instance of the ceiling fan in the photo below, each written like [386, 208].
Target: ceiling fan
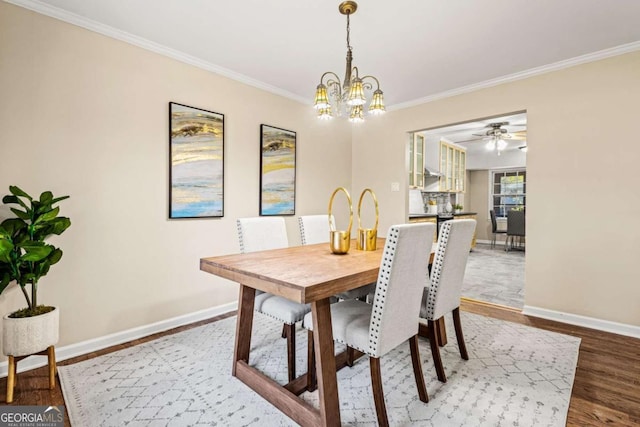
[496, 131]
[497, 136]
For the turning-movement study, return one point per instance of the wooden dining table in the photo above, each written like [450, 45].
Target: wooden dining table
[308, 274]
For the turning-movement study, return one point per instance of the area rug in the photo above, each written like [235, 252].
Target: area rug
[516, 376]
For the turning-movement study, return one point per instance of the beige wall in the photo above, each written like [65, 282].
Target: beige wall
[86, 115]
[583, 155]
[478, 196]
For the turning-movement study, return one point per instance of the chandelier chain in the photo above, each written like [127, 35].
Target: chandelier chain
[348, 33]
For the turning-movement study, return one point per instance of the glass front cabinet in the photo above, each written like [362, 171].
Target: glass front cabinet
[416, 161]
[453, 164]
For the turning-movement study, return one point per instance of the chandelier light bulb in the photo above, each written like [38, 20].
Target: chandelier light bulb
[322, 99]
[377, 103]
[325, 113]
[356, 115]
[356, 93]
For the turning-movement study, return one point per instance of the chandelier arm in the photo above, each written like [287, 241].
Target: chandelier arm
[330, 81]
[371, 77]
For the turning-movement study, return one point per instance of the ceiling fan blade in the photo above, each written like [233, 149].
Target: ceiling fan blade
[470, 140]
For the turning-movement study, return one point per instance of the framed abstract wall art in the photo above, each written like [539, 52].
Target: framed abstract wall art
[196, 173]
[277, 171]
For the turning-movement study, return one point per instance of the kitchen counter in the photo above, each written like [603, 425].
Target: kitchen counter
[440, 219]
[415, 215]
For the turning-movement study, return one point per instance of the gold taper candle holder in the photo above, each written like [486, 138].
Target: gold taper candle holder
[367, 237]
[340, 240]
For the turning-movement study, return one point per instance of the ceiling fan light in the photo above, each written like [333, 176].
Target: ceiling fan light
[491, 145]
[322, 99]
[501, 144]
[377, 103]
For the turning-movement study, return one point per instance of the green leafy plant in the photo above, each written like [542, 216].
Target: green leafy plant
[24, 256]
[458, 207]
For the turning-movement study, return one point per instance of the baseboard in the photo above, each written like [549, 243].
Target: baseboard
[587, 322]
[95, 344]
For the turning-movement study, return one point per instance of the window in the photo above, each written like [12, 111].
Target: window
[509, 191]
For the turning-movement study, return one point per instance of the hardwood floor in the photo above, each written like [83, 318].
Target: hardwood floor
[606, 390]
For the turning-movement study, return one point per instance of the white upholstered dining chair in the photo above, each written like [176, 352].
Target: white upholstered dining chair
[263, 233]
[442, 296]
[315, 229]
[375, 329]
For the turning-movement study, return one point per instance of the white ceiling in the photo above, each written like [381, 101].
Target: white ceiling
[472, 135]
[417, 48]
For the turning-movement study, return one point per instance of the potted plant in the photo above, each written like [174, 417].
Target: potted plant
[25, 258]
[457, 208]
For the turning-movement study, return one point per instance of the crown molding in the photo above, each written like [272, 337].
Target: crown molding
[80, 21]
[556, 66]
[106, 30]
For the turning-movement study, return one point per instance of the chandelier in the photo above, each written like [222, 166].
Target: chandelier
[332, 96]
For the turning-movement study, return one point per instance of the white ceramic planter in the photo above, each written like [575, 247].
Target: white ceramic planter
[29, 335]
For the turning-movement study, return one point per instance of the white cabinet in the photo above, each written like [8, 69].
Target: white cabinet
[453, 164]
[416, 161]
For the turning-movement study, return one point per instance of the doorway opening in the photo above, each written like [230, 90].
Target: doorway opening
[469, 170]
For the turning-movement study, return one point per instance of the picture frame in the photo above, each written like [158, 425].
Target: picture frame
[196, 162]
[277, 171]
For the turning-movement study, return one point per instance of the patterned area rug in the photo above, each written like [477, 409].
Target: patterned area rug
[516, 376]
[495, 276]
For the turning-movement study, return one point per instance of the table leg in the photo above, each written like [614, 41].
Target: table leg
[325, 363]
[243, 326]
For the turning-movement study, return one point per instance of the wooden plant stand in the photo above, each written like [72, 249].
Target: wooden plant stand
[50, 352]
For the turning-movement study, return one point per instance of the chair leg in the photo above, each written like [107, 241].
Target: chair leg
[312, 383]
[417, 369]
[435, 352]
[378, 396]
[458, 326]
[11, 378]
[284, 330]
[51, 356]
[351, 355]
[291, 350]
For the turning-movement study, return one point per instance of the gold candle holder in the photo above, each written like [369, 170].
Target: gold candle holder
[340, 240]
[367, 237]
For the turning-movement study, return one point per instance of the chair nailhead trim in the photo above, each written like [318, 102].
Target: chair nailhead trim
[302, 235]
[436, 268]
[381, 290]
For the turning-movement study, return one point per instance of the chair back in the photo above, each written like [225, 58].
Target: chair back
[403, 275]
[515, 223]
[494, 223]
[262, 233]
[313, 229]
[447, 271]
